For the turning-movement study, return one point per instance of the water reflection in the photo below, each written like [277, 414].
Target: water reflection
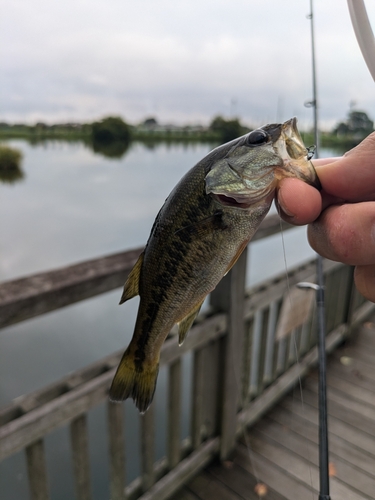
[110, 149]
[11, 175]
[10, 165]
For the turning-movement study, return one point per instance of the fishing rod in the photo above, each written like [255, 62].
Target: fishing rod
[366, 42]
[322, 357]
[319, 289]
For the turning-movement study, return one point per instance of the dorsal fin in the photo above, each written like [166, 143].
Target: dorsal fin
[185, 324]
[131, 287]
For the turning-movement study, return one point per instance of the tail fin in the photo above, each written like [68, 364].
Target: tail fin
[131, 383]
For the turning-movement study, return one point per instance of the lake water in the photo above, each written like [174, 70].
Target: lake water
[74, 205]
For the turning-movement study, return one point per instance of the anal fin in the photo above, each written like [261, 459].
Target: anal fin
[131, 287]
[185, 324]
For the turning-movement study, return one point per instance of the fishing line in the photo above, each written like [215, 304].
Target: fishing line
[284, 255]
[250, 451]
[294, 341]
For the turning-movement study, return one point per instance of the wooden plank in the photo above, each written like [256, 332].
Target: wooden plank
[300, 469]
[184, 494]
[26, 403]
[116, 450]
[360, 365]
[344, 293]
[331, 289]
[263, 350]
[270, 345]
[211, 376]
[36, 471]
[18, 433]
[363, 343]
[184, 471]
[338, 445]
[349, 374]
[28, 297]
[174, 413]
[256, 343]
[197, 398]
[199, 336]
[258, 353]
[365, 332]
[206, 487]
[246, 362]
[272, 475]
[300, 446]
[353, 435]
[359, 415]
[305, 337]
[293, 347]
[31, 296]
[361, 313]
[240, 481]
[229, 296]
[81, 460]
[285, 382]
[354, 391]
[148, 448]
[281, 355]
[362, 353]
[33, 425]
[275, 288]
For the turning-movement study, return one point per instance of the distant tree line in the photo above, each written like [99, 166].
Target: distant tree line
[112, 135]
[357, 124]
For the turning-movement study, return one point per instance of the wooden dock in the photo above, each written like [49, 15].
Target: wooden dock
[281, 451]
[244, 354]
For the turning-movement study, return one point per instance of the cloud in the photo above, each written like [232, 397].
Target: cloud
[181, 60]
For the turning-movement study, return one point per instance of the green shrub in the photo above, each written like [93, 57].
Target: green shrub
[110, 129]
[10, 164]
[227, 129]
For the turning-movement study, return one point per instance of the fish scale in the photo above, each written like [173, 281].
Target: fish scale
[198, 235]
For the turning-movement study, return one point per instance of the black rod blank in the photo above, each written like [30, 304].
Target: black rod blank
[323, 414]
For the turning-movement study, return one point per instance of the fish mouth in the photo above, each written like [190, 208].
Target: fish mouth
[230, 201]
[295, 155]
[245, 201]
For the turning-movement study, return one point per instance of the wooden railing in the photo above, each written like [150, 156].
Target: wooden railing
[239, 370]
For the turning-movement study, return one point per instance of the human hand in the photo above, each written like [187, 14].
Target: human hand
[341, 217]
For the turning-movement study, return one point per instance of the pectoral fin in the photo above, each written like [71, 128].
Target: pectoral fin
[185, 324]
[131, 287]
[236, 257]
[205, 226]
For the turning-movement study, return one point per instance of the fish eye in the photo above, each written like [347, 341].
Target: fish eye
[257, 137]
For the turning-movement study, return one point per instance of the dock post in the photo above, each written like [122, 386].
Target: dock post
[229, 297]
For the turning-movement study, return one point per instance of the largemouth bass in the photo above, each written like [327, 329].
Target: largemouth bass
[198, 235]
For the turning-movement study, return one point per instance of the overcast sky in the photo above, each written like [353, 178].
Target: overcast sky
[183, 61]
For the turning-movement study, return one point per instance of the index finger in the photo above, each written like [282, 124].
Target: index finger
[320, 162]
[351, 177]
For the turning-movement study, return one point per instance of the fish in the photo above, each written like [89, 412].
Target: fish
[198, 235]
